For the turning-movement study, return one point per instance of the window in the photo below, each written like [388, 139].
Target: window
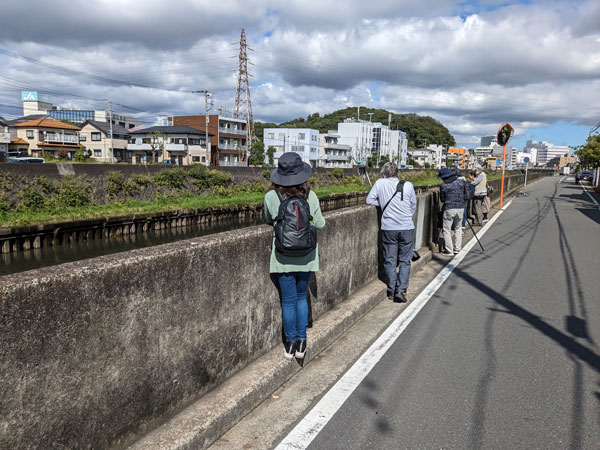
[195, 159]
[98, 153]
[122, 124]
[271, 136]
[82, 138]
[118, 153]
[301, 135]
[96, 136]
[129, 154]
[29, 134]
[204, 159]
[131, 126]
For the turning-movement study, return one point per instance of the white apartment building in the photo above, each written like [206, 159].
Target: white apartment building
[399, 147]
[423, 156]
[180, 145]
[331, 153]
[304, 141]
[542, 152]
[367, 139]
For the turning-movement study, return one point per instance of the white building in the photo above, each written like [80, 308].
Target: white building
[423, 156]
[399, 147]
[331, 153]
[368, 139]
[304, 141]
[4, 139]
[542, 152]
[96, 137]
[35, 104]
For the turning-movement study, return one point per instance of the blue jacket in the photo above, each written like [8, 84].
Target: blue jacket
[452, 193]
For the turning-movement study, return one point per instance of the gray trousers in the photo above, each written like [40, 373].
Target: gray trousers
[397, 252]
[453, 221]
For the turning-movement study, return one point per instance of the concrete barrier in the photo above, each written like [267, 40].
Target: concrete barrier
[97, 352]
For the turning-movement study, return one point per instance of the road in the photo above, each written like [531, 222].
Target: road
[502, 354]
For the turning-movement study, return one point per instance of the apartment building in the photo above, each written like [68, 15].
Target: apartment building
[399, 147]
[367, 139]
[180, 145]
[304, 141]
[229, 143]
[333, 154]
[96, 137]
[423, 156]
[4, 139]
[457, 155]
[47, 136]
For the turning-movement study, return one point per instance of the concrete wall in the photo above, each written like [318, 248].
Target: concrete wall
[94, 352]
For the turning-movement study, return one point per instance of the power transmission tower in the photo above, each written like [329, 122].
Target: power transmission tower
[242, 107]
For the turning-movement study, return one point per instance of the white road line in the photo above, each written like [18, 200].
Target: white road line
[591, 197]
[310, 426]
[561, 180]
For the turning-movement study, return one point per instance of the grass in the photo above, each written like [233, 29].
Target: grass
[131, 207]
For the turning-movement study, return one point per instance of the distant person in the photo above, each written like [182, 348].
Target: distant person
[468, 196]
[294, 211]
[397, 228]
[452, 195]
[480, 184]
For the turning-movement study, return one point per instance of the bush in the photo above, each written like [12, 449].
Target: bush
[136, 183]
[338, 172]
[32, 199]
[115, 184]
[79, 155]
[47, 185]
[354, 180]
[170, 178]
[210, 178]
[73, 193]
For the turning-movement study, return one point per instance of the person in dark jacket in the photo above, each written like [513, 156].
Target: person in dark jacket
[452, 194]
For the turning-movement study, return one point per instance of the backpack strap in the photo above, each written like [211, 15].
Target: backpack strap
[399, 188]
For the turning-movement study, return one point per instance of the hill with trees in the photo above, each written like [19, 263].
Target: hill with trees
[420, 130]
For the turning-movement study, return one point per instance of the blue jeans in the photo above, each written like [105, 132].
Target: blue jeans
[294, 307]
[397, 251]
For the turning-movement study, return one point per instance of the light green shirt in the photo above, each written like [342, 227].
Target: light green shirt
[285, 264]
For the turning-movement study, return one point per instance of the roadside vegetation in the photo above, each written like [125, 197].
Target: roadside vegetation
[40, 200]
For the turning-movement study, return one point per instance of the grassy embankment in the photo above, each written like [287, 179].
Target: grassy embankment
[40, 202]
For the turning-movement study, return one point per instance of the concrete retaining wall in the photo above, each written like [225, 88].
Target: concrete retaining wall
[95, 352]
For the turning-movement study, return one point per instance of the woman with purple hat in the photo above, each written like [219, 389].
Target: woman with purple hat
[293, 272]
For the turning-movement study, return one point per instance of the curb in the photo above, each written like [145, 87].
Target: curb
[206, 420]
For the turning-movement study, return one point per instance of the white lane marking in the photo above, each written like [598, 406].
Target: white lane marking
[570, 179]
[310, 426]
[561, 180]
[591, 197]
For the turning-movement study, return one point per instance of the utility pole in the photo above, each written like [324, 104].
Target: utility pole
[110, 122]
[207, 95]
[242, 92]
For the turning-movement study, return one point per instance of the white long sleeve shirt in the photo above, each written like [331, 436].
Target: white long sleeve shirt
[398, 215]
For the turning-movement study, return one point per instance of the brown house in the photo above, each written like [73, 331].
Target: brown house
[228, 147]
[47, 135]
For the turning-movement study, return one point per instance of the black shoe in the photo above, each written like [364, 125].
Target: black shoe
[289, 349]
[390, 295]
[447, 253]
[400, 298]
[300, 349]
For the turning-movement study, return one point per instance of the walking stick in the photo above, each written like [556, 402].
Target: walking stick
[475, 234]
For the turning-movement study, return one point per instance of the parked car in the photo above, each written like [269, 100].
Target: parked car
[584, 175]
[26, 160]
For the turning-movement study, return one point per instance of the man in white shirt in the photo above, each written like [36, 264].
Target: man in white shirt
[397, 228]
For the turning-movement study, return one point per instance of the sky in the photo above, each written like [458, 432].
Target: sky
[472, 65]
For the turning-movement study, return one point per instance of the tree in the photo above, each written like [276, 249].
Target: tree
[412, 162]
[270, 154]
[157, 143]
[589, 154]
[257, 154]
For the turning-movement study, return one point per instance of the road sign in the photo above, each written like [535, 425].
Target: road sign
[498, 161]
[525, 160]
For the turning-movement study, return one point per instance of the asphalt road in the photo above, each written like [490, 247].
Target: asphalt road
[506, 354]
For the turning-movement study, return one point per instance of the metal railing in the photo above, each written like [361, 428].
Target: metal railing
[232, 131]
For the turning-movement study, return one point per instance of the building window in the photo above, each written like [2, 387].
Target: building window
[301, 136]
[118, 153]
[195, 159]
[271, 136]
[131, 126]
[98, 153]
[82, 138]
[96, 136]
[204, 159]
[122, 124]
[129, 155]
[29, 134]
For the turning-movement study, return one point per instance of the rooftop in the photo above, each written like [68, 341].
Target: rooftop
[46, 122]
[105, 127]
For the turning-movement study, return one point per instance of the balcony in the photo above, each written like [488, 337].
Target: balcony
[176, 147]
[336, 147]
[60, 138]
[139, 147]
[4, 138]
[330, 157]
[232, 131]
[232, 147]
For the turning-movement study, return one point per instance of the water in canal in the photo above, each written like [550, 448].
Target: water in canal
[49, 256]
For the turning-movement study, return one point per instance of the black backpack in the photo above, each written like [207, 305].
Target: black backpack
[295, 235]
